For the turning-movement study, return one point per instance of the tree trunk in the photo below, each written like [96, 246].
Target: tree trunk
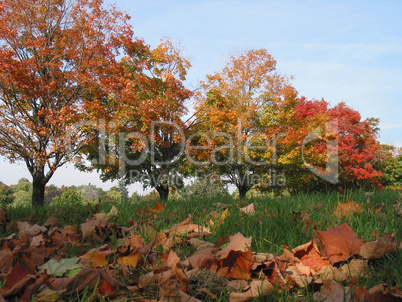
[163, 191]
[243, 191]
[38, 192]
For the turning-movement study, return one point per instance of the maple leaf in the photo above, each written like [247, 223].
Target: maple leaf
[339, 243]
[332, 291]
[377, 249]
[255, 289]
[310, 256]
[58, 269]
[347, 209]
[158, 207]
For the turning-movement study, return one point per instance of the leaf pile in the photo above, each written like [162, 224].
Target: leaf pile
[34, 266]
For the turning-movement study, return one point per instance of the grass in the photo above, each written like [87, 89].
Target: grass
[276, 223]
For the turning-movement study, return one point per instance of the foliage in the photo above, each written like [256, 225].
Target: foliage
[239, 111]
[208, 187]
[70, 198]
[391, 166]
[6, 195]
[58, 64]
[142, 141]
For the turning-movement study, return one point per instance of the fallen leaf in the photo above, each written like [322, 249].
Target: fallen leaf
[377, 249]
[94, 259]
[224, 215]
[339, 243]
[250, 209]
[52, 221]
[238, 243]
[255, 289]
[356, 268]
[332, 291]
[310, 256]
[200, 244]
[58, 269]
[158, 208]
[347, 209]
[30, 230]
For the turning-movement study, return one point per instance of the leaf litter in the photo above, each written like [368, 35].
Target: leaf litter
[33, 265]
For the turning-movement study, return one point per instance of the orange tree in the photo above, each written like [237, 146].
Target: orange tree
[146, 132]
[239, 114]
[57, 63]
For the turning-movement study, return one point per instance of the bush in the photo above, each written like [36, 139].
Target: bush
[69, 198]
[6, 195]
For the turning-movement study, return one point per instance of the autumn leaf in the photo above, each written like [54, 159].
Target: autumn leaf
[158, 207]
[59, 268]
[254, 290]
[332, 291]
[347, 209]
[248, 209]
[310, 256]
[339, 243]
[377, 249]
[94, 259]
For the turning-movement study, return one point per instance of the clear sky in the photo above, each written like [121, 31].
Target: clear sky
[347, 50]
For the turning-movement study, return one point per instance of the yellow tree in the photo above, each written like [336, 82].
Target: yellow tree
[240, 110]
[57, 63]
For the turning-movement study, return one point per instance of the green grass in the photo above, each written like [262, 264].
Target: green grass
[274, 224]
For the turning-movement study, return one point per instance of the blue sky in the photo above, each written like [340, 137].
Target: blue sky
[348, 51]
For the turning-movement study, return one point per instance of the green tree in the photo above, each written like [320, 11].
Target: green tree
[6, 195]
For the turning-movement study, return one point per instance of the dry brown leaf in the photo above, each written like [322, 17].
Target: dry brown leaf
[299, 274]
[52, 221]
[201, 258]
[255, 289]
[200, 244]
[30, 230]
[354, 269]
[250, 209]
[90, 228]
[347, 209]
[377, 249]
[332, 291]
[37, 241]
[339, 243]
[238, 243]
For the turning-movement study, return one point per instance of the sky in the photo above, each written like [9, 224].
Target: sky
[343, 51]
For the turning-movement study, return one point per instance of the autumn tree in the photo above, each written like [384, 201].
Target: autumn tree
[240, 110]
[57, 64]
[359, 148]
[329, 147]
[144, 139]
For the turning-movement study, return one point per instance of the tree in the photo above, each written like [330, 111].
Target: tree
[57, 64]
[391, 166]
[359, 149]
[329, 147]
[240, 110]
[144, 137]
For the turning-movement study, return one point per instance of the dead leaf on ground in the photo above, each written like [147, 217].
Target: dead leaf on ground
[310, 256]
[339, 243]
[377, 249]
[200, 244]
[250, 209]
[332, 291]
[254, 290]
[346, 209]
